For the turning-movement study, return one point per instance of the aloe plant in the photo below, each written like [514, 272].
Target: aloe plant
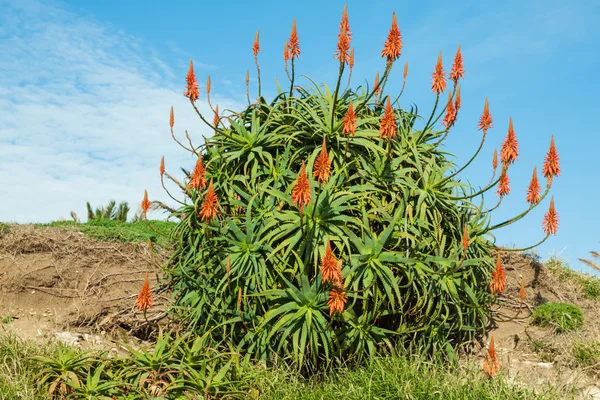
[410, 245]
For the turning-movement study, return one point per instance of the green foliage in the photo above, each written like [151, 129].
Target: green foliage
[563, 317]
[109, 212]
[392, 208]
[589, 285]
[125, 232]
[398, 377]
[587, 354]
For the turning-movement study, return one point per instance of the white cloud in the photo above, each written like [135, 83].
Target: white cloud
[84, 114]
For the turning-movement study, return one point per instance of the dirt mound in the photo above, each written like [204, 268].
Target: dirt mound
[539, 355]
[57, 278]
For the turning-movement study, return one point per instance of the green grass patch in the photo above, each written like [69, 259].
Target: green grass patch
[394, 377]
[590, 285]
[563, 317]
[124, 232]
[587, 354]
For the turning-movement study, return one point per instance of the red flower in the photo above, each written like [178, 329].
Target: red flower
[457, 70]
[197, 180]
[388, 127]
[393, 46]
[171, 118]
[322, 167]
[208, 85]
[376, 85]
[498, 278]
[465, 238]
[438, 83]
[337, 300]
[144, 300]
[351, 62]
[330, 267]
[286, 51]
[485, 121]
[210, 205]
[495, 160]
[192, 84]
[550, 222]
[301, 192]
[457, 101]
[533, 191]
[162, 166]
[551, 163]
[344, 38]
[510, 146]
[216, 116]
[145, 204]
[294, 43]
[450, 116]
[349, 121]
[490, 363]
[256, 45]
[503, 186]
[405, 74]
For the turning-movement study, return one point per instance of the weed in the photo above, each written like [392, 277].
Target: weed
[562, 316]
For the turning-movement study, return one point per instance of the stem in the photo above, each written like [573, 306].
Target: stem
[335, 94]
[485, 189]
[467, 164]
[349, 79]
[204, 120]
[388, 68]
[165, 188]
[520, 216]
[437, 99]
[292, 79]
[530, 247]
[179, 143]
[258, 69]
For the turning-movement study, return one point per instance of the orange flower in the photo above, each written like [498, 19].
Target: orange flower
[344, 38]
[330, 267]
[388, 125]
[216, 116]
[192, 84]
[457, 70]
[351, 62]
[393, 46]
[294, 43]
[197, 180]
[510, 146]
[301, 192]
[495, 160]
[208, 85]
[286, 51]
[349, 121]
[533, 191]
[210, 205]
[171, 118]
[144, 300]
[247, 78]
[503, 186]
[256, 45]
[450, 116]
[485, 121]
[228, 268]
[145, 204]
[550, 223]
[337, 300]
[465, 238]
[322, 167]
[405, 74]
[162, 166]
[498, 278]
[376, 85]
[438, 83]
[457, 101]
[551, 162]
[490, 363]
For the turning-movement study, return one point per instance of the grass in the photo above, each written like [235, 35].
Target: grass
[397, 377]
[128, 232]
[590, 285]
[587, 354]
[563, 317]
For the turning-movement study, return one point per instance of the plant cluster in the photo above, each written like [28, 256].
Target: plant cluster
[331, 222]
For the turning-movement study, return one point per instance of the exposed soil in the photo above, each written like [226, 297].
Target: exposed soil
[55, 279]
[56, 282]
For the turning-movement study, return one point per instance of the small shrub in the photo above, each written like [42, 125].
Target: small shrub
[562, 316]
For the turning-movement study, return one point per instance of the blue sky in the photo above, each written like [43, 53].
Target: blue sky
[85, 90]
